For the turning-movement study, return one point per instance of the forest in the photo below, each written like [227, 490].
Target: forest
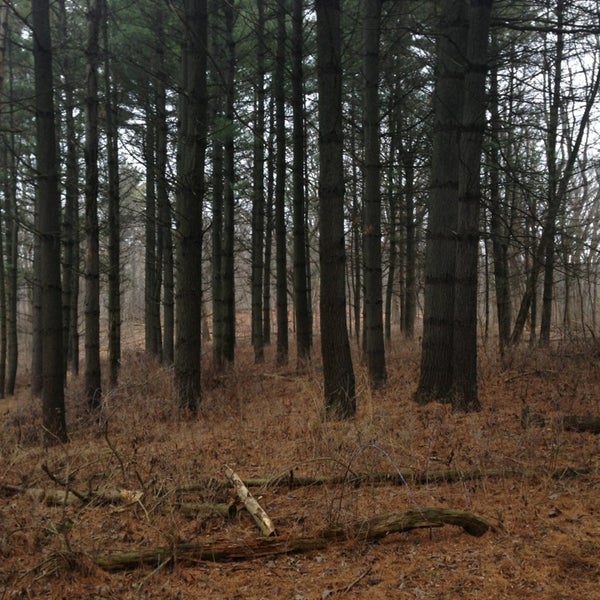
[299, 299]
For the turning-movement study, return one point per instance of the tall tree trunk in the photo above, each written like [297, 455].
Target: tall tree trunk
[498, 216]
[114, 227]
[12, 248]
[48, 199]
[464, 395]
[191, 150]
[229, 193]
[37, 374]
[301, 275]
[409, 313]
[218, 313]
[162, 195]
[258, 198]
[551, 158]
[4, 180]
[151, 301]
[269, 225]
[375, 347]
[393, 232]
[280, 228]
[435, 379]
[93, 385]
[3, 38]
[70, 224]
[338, 373]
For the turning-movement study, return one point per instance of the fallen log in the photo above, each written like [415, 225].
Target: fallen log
[261, 518]
[577, 423]
[368, 529]
[292, 481]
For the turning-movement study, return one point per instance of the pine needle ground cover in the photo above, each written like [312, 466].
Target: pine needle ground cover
[146, 481]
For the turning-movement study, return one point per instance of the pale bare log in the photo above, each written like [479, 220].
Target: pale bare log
[250, 504]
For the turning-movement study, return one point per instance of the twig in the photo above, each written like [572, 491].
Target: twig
[65, 484]
[353, 583]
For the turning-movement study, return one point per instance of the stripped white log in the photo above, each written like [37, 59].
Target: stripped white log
[261, 518]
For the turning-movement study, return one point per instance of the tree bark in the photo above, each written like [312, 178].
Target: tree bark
[114, 216]
[371, 529]
[281, 283]
[48, 202]
[375, 347]
[153, 341]
[192, 147]
[301, 271]
[464, 394]
[436, 373]
[162, 195]
[258, 197]
[338, 373]
[229, 328]
[70, 225]
[498, 215]
[93, 385]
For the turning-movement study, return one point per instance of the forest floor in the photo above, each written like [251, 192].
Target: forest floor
[138, 477]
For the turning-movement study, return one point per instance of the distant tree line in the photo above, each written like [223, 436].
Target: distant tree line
[359, 171]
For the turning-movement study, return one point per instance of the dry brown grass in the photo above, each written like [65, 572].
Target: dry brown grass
[264, 421]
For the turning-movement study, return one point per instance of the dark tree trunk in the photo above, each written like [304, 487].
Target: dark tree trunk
[151, 301]
[12, 247]
[114, 218]
[191, 154]
[280, 228]
[48, 200]
[93, 386]
[258, 201]
[37, 376]
[375, 347]
[162, 197]
[464, 395]
[269, 226]
[3, 321]
[218, 313]
[338, 373]
[301, 276]
[70, 225]
[440, 260]
[229, 194]
[498, 218]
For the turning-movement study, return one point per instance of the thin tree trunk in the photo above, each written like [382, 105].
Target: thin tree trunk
[280, 228]
[301, 275]
[498, 216]
[551, 158]
[114, 227]
[70, 224]
[151, 301]
[93, 386]
[162, 196]
[269, 225]
[258, 203]
[36, 313]
[12, 248]
[229, 329]
[216, 41]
